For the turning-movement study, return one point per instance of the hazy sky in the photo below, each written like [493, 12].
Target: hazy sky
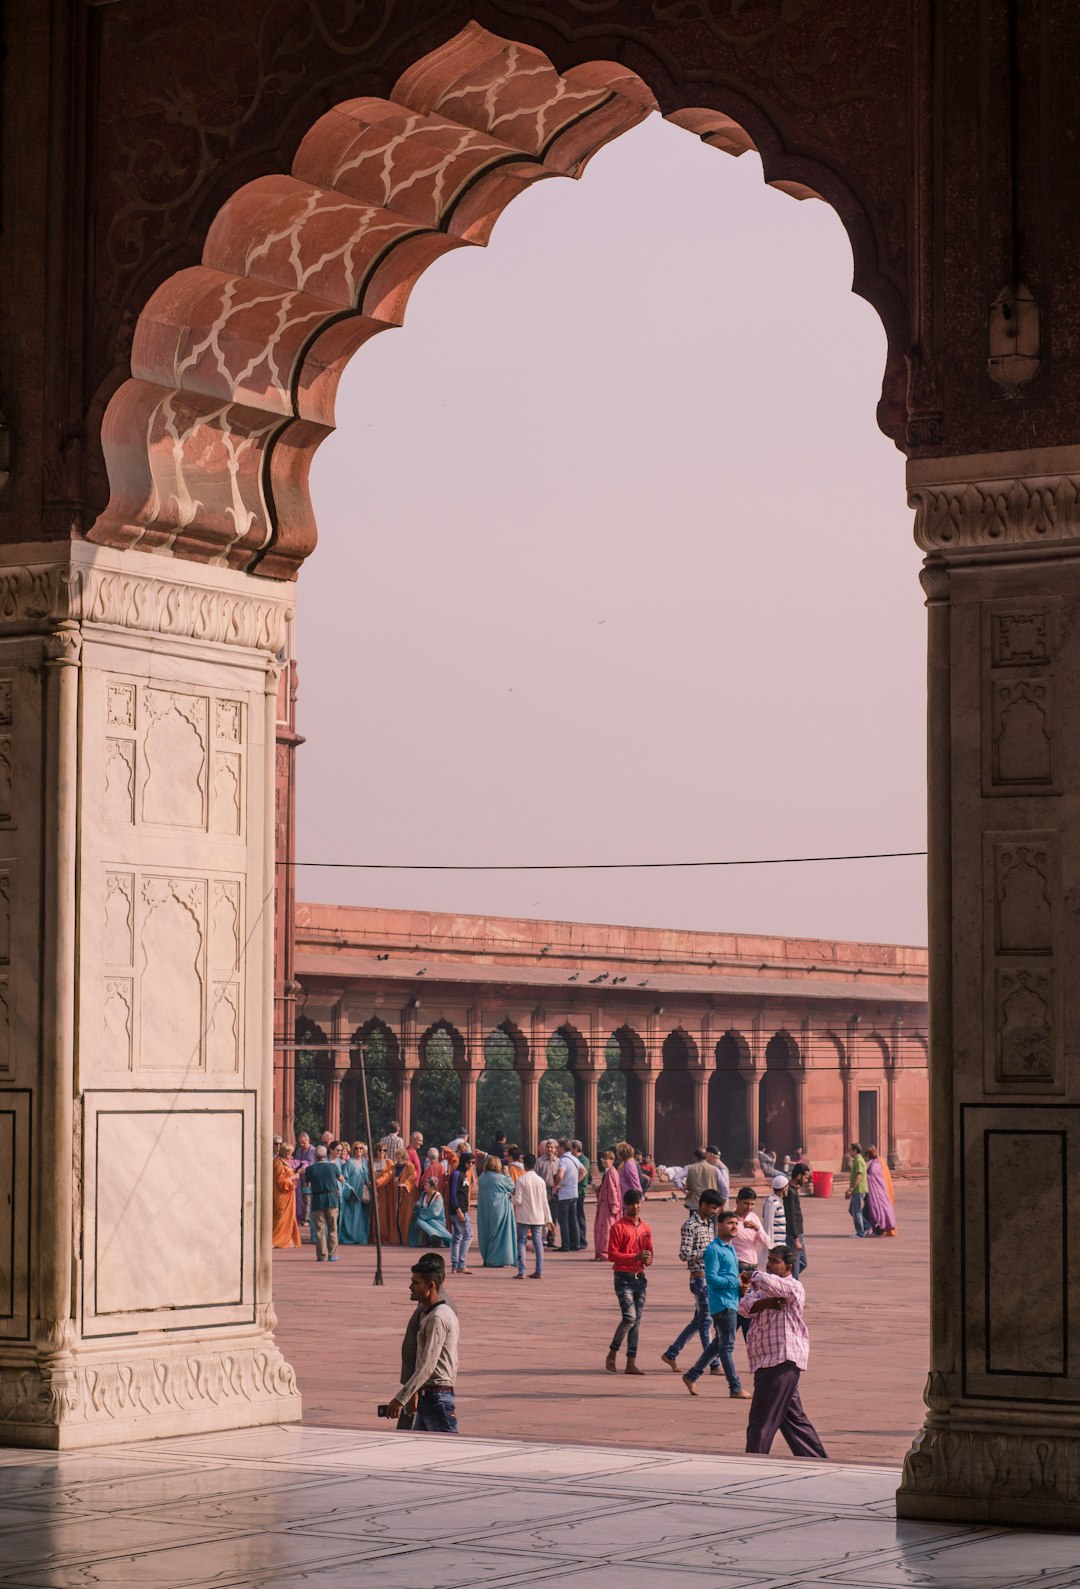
[615, 565]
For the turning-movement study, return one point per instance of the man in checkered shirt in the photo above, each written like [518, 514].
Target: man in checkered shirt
[778, 1346]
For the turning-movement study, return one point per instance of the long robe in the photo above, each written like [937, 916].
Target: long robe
[608, 1210]
[436, 1171]
[354, 1221]
[495, 1228]
[407, 1194]
[386, 1192]
[302, 1157]
[286, 1226]
[429, 1222]
[879, 1203]
[629, 1176]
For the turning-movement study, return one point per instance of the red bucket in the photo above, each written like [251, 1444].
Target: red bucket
[822, 1180]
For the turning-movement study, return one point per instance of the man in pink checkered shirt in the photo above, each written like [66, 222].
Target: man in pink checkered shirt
[778, 1346]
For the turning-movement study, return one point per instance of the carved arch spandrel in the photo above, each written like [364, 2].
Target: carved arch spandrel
[236, 361]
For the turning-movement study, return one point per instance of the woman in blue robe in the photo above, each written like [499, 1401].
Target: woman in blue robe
[354, 1220]
[496, 1231]
[429, 1221]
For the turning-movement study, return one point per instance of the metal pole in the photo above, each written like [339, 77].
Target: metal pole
[371, 1171]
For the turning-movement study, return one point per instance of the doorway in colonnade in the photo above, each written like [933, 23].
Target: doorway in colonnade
[436, 1109]
[780, 1126]
[673, 1132]
[382, 1055]
[556, 1092]
[498, 1091]
[729, 1118]
[611, 1096]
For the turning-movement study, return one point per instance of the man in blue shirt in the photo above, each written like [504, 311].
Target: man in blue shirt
[325, 1181]
[722, 1279]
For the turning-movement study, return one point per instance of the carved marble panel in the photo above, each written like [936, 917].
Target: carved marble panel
[1019, 635]
[15, 1119]
[224, 1044]
[121, 705]
[119, 926]
[228, 719]
[120, 781]
[1021, 732]
[1022, 736]
[1023, 930]
[225, 795]
[118, 1011]
[7, 710]
[225, 927]
[1026, 886]
[7, 891]
[7, 1058]
[1025, 1026]
[7, 780]
[175, 757]
[172, 947]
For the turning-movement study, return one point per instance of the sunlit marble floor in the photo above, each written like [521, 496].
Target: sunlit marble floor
[343, 1510]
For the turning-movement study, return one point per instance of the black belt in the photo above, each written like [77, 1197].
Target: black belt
[430, 1390]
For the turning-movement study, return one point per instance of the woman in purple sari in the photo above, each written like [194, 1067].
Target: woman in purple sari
[879, 1202]
[629, 1179]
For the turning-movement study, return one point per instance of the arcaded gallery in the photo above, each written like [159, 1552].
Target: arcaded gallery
[205, 213]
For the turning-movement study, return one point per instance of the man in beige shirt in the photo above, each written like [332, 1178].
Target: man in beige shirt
[704, 1176]
[430, 1387]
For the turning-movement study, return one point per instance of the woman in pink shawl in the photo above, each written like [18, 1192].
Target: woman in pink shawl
[879, 1201]
[608, 1205]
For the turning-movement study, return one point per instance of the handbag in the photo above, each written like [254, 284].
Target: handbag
[365, 1193]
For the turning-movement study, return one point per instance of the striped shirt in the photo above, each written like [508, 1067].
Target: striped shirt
[774, 1220]
[776, 1335]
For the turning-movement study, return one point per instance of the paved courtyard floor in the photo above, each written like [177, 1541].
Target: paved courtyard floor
[532, 1353]
[283, 1507]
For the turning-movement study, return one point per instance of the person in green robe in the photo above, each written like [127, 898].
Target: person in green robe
[496, 1231]
[429, 1221]
[354, 1220]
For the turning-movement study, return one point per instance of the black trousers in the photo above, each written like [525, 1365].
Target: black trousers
[778, 1406]
[568, 1225]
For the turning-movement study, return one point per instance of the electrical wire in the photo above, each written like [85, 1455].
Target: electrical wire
[594, 866]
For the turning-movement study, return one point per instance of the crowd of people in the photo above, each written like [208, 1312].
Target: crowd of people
[744, 1265]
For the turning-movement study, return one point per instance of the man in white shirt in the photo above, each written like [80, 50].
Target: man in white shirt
[567, 1179]
[750, 1240]
[532, 1217]
[430, 1387]
[547, 1167]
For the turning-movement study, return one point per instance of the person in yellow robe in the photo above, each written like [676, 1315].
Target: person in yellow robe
[407, 1192]
[286, 1229]
[386, 1199]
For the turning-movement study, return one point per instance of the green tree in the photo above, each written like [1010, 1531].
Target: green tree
[498, 1092]
[437, 1093]
[557, 1117]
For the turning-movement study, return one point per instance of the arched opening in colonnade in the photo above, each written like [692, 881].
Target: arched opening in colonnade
[630, 1047]
[436, 1096]
[556, 1091]
[729, 1115]
[498, 1091]
[780, 1126]
[612, 1092]
[674, 1130]
[382, 1057]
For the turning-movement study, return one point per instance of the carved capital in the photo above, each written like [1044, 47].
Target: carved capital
[1002, 1474]
[996, 501]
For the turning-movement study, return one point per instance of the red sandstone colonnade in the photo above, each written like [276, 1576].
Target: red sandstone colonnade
[204, 214]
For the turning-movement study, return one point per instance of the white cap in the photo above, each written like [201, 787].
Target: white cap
[779, 1182]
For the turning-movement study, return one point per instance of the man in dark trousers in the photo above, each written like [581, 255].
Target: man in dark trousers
[630, 1248]
[778, 1346]
[793, 1214]
[432, 1266]
[325, 1180]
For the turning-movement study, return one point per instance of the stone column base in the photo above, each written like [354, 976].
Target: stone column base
[963, 1468]
[99, 1397]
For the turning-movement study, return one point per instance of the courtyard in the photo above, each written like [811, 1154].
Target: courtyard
[532, 1355]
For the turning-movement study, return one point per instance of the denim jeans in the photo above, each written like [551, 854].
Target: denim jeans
[582, 1227]
[538, 1247]
[435, 1413]
[723, 1347]
[801, 1260]
[630, 1290]
[857, 1207]
[460, 1240]
[568, 1225]
[700, 1324]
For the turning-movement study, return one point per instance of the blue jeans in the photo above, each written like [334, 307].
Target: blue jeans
[630, 1290]
[700, 1324]
[460, 1240]
[857, 1207]
[724, 1347]
[538, 1247]
[435, 1413]
[801, 1260]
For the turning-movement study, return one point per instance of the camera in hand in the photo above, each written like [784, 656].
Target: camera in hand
[383, 1410]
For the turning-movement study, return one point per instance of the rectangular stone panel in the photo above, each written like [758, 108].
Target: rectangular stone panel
[170, 1210]
[1019, 1210]
[14, 1213]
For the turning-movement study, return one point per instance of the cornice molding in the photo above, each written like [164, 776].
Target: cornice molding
[988, 501]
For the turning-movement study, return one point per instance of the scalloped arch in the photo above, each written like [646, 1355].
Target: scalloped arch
[236, 361]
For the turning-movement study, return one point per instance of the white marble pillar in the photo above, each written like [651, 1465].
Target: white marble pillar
[137, 724]
[1001, 1440]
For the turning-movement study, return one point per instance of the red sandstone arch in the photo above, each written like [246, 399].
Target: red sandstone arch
[236, 361]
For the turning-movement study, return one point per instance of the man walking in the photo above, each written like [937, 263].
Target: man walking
[630, 1248]
[325, 1181]
[568, 1178]
[583, 1185]
[531, 1217]
[857, 1189]
[457, 1208]
[772, 1213]
[430, 1387]
[696, 1234]
[778, 1345]
[431, 1263]
[701, 1176]
[722, 1278]
[793, 1215]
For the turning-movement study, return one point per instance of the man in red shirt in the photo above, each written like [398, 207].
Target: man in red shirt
[630, 1249]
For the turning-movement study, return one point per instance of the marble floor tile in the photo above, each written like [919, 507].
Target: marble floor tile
[233, 1558]
[630, 1532]
[475, 1516]
[321, 1503]
[825, 1485]
[804, 1542]
[976, 1560]
[67, 1539]
[551, 1462]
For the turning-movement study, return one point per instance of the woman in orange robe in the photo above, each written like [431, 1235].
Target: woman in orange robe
[286, 1229]
[407, 1193]
[386, 1194]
